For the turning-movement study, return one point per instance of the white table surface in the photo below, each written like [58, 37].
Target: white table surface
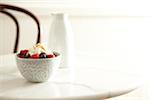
[77, 83]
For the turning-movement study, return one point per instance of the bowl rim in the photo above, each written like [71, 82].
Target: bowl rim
[58, 55]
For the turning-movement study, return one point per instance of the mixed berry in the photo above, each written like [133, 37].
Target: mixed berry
[26, 54]
[36, 52]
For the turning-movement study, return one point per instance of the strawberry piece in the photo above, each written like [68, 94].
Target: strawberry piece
[50, 56]
[23, 52]
[35, 56]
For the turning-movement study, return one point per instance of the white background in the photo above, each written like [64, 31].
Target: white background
[108, 33]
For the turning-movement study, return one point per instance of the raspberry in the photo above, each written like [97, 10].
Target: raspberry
[23, 52]
[35, 56]
[50, 56]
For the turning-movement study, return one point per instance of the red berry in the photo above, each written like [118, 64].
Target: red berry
[23, 52]
[35, 56]
[50, 56]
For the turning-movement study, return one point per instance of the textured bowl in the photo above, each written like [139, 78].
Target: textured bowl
[38, 70]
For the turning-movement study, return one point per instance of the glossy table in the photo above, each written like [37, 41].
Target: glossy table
[76, 83]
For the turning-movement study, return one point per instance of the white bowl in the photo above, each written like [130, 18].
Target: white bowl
[38, 70]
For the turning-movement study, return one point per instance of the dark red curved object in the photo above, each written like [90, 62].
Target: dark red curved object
[5, 7]
[17, 28]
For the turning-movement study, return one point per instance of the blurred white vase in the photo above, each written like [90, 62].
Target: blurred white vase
[61, 39]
